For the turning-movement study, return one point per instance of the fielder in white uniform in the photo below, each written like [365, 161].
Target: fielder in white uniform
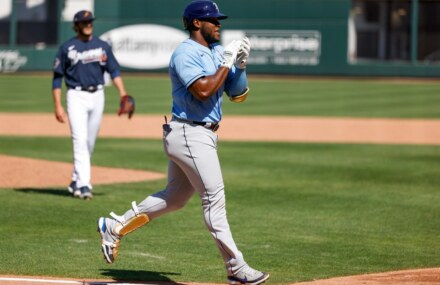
[201, 71]
[82, 62]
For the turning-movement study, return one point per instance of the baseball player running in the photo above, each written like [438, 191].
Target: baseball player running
[200, 71]
[82, 61]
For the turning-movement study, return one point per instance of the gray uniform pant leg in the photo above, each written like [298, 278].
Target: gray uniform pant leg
[194, 166]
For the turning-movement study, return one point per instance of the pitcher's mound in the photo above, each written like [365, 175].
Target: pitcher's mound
[18, 172]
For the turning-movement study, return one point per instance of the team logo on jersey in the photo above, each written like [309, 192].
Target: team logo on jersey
[87, 56]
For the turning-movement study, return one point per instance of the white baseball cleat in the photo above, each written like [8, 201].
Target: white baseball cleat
[248, 276]
[109, 241]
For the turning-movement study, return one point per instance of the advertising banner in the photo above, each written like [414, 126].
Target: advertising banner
[144, 46]
[280, 47]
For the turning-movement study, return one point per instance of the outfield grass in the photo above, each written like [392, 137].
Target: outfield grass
[299, 211]
[294, 97]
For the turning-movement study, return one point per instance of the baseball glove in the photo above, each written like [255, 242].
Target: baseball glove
[126, 106]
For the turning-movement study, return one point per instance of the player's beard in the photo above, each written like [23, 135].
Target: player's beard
[209, 35]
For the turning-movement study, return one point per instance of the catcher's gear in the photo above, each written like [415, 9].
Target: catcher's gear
[125, 227]
[230, 53]
[126, 106]
[241, 97]
[243, 53]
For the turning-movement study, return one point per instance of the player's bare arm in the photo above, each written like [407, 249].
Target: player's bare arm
[119, 84]
[60, 114]
[205, 87]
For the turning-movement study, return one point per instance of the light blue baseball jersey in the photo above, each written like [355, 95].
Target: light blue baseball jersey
[191, 61]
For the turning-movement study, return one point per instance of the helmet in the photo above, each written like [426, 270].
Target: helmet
[83, 16]
[202, 9]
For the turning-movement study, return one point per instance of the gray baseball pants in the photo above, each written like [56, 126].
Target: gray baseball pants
[194, 167]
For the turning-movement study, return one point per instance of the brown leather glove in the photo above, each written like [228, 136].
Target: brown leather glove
[126, 106]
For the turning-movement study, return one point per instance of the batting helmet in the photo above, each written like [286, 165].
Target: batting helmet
[202, 9]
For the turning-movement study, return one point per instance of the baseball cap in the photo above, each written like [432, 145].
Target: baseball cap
[83, 16]
[202, 9]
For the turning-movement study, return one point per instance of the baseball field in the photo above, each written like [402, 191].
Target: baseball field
[325, 178]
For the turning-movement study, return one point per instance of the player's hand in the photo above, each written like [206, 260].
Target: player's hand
[230, 53]
[60, 115]
[243, 53]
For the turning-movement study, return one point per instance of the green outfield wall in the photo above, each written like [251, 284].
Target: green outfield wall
[303, 37]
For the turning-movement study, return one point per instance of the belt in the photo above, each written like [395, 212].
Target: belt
[209, 125]
[90, 88]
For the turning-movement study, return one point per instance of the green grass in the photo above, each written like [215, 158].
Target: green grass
[299, 211]
[290, 97]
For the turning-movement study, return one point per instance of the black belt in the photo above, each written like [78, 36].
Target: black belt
[209, 125]
[90, 88]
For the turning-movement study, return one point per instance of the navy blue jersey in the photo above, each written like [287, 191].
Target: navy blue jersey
[82, 63]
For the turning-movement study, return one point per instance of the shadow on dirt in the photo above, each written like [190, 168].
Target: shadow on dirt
[136, 276]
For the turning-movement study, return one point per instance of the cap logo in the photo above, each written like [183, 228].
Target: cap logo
[215, 5]
[86, 13]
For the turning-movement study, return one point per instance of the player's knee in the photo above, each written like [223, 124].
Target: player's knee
[175, 205]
